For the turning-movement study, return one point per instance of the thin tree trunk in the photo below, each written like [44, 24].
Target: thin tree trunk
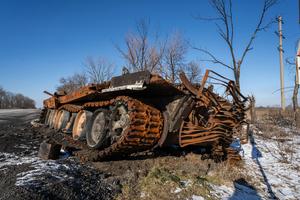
[237, 76]
[252, 109]
[295, 104]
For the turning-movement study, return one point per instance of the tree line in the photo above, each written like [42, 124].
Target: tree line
[11, 100]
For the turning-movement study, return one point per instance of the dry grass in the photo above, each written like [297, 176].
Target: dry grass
[272, 125]
[182, 177]
[270, 131]
[275, 116]
[286, 151]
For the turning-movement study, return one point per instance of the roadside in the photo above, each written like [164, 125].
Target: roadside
[25, 176]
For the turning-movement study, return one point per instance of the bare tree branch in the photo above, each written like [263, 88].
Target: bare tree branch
[140, 52]
[98, 71]
[193, 72]
[289, 62]
[231, 22]
[71, 83]
[174, 57]
[225, 28]
[213, 58]
[267, 5]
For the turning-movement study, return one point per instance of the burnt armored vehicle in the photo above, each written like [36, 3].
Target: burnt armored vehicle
[142, 111]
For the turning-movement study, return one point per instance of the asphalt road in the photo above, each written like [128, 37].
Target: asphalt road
[17, 116]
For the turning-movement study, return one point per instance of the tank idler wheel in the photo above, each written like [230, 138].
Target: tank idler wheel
[80, 124]
[97, 135]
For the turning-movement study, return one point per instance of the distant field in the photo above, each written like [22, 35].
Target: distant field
[262, 112]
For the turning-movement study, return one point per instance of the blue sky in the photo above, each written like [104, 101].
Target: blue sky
[41, 41]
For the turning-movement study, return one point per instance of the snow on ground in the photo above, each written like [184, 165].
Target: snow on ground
[38, 169]
[279, 177]
[42, 170]
[8, 159]
[235, 192]
[195, 197]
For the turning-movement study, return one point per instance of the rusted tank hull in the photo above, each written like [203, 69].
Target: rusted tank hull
[141, 111]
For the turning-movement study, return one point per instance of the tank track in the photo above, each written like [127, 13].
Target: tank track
[143, 133]
[71, 108]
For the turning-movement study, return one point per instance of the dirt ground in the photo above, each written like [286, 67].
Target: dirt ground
[166, 175]
[24, 176]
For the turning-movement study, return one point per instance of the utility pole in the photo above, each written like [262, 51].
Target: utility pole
[279, 19]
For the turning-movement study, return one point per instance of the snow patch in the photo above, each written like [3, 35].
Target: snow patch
[41, 169]
[177, 190]
[7, 159]
[196, 197]
[263, 159]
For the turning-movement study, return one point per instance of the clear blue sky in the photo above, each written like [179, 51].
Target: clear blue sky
[41, 41]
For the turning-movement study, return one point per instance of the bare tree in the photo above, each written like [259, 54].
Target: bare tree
[99, 71]
[140, 53]
[166, 57]
[174, 57]
[69, 84]
[94, 72]
[226, 30]
[193, 72]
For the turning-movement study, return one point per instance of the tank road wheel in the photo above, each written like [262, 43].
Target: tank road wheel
[62, 119]
[80, 124]
[133, 127]
[52, 118]
[48, 116]
[68, 128]
[53, 121]
[120, 121]
[97, 135]
[56, 119]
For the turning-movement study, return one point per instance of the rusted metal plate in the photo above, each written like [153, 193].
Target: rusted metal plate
[49, 150]
[83, 93]
[50, 103]
[131, 79]
[223, 117]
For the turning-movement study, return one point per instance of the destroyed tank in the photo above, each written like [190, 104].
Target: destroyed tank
[140, 111]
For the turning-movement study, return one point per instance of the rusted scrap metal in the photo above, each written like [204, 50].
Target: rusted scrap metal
[141, 111]
[217, 125]
[49, 150]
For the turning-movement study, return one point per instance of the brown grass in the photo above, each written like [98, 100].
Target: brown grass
[189, 174]
[271, 123]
